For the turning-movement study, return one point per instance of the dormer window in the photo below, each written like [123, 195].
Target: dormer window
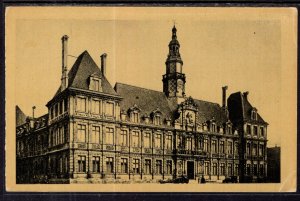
[228, 128]
[254, 114]
[156, 117]
[134, 113]
[95, 83]
[212, 126]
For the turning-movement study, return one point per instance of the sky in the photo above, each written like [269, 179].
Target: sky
[242, 53]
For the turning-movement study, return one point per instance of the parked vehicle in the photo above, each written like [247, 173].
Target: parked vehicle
[232, 179]
[178, 180]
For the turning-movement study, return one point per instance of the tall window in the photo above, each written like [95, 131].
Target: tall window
[135, 117]
[156, 120]
[96, 106]
[254, 151]
[81, 104]
[136, 166]
[169, 142]
[169, 167]
[248, 129]
[158, 141]
[205, 145]
[109, 164]
[229, 129]
[261, 148]
[222, 169]
[214, 169]
[229, 165]
[222, 147]
[109, 109]
[158, 166]
[213, 127]
[96, 163]
[213, 146]
[236, 150]
[66, 105]
[95, 134]
[81, 163]
[236, 169]
[206, 168]
[147, 140]
[189, 143]
[147, 166]
[248, 149]
[261, 169]
[124, 165]
[262, 133]
[60, 107]
[248, 169]
[109, 134]
[255, 130]
[135, 139]
[123, 138]
[255, 169]
[229, 147]
[81, 130]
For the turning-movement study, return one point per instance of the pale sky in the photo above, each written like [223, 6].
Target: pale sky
[244, 54]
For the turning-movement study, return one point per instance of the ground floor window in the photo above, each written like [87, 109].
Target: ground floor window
[248, 169]
[169, 167]
[96, 163]
[81, 163]
[136, 166]
[222, 169]
[109, 164]
[124, 165]
[158, 167]
[236, 169]
[206, 168]
[147, 166]
[261, 169]
[255, 169]
[214, 169]
[229, 169]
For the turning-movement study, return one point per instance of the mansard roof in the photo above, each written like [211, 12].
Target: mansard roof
[150, 100]
[82, 69]
[20, 116]
[240, 108]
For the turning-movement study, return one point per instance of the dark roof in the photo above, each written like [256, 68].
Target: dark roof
[82, 69]
[240, 108]
[149, 100]
[20, 116]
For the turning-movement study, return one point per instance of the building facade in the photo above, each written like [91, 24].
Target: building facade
[96, 133]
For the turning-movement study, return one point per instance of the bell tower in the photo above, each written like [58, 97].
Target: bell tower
[174, 79]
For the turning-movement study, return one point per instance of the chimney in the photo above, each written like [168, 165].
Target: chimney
[64, 77]
[103, 63]
[224, 96]
[246, 95]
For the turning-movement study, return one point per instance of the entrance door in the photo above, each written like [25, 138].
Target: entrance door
[190, 169]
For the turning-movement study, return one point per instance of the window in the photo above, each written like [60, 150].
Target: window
[147, 166]
[66, 105]
[205, 145]
[222, 147]
[213, 146]
[109, 109]
[255, 169]
[95, 138]
[206, 168]
[236, 167]
[189, 143]
[229, 147]
[248, 169]
[158, 167]
[213, 127]
[81, 104]
[262, 133]
[136, 166]
[56, 110]
[261, 169]
[123, 138]
[254, 114]
[96, 106]
[109, 136]
[222, 169]
[169, 142]
[248, 129]
[81, 163]
[261, 150]
[135, 139]
[214, 168]
[248, 149]
[135, 117]
[236, 150]
[254, 150]
[124, 165]
[229, 129]
[255, 131]
[96, 163]
[229, 165]
[109, 164]
[60, 107]
[156, 120]
[158, 141]
[96, 85]
[52, 112]
[81, 129]
[169, 167]
[147, 140]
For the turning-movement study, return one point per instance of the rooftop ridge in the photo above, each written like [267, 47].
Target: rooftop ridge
[137, 87]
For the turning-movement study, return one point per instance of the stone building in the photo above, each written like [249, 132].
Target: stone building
[95, 133]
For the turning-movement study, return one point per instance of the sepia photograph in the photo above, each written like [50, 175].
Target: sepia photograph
[151, 99]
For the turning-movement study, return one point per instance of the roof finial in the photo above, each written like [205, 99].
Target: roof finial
[174, 30]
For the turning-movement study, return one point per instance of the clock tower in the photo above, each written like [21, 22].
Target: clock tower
[174, 79]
